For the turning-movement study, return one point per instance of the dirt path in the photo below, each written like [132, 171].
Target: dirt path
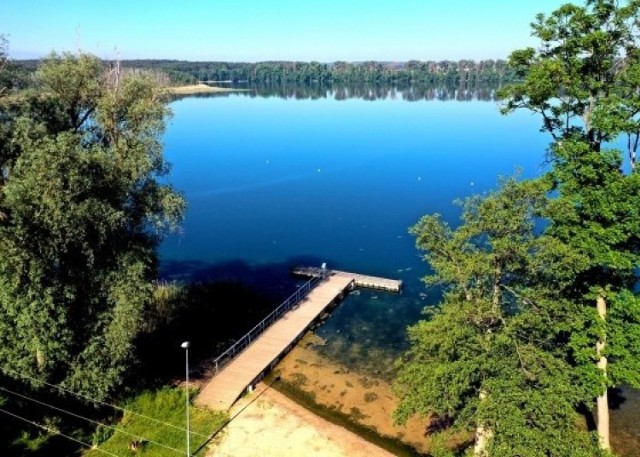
[268, 424]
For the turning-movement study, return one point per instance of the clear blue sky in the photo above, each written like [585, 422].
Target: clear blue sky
[255, 30]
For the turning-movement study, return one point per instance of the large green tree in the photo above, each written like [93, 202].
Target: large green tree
[584, 80]
[490, 358]
[83, 206]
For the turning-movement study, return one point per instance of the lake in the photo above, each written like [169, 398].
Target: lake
[272, 182]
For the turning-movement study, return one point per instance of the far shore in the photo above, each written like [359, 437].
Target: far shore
[199, 89]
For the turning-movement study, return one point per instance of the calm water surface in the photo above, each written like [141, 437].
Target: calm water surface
[273, 182]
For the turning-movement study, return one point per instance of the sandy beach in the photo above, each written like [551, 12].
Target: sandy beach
[267, 423]
[198, 89]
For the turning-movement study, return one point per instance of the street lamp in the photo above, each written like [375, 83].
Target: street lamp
[185, 346]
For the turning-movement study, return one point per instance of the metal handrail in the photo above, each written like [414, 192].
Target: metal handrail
[223, 359]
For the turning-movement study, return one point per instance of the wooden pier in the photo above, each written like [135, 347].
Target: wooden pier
[261, 349]
[369, 282]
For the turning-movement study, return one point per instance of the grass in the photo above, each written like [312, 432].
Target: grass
[158, 439]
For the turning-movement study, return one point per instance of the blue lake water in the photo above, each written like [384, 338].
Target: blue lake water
[269, 179]
[273, 182]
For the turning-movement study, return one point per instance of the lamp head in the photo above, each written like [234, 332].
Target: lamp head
[185, 345]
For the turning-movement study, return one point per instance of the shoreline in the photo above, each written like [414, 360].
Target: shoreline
[200, 89]
[311, 402]
[269, 424]
[361, 402]
[319, 407]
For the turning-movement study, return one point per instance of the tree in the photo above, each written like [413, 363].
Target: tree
[596, 213]
[583, 81]
[490, 357]
[4, 44]
[83, 211]
[587, 62]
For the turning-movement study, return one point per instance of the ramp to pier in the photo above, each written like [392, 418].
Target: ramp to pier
[229, 384]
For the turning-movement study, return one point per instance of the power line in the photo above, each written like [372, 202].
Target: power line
[26, 397]
[60, 388]
[56, 432]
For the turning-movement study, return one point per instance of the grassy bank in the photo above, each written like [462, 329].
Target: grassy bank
[158, 427]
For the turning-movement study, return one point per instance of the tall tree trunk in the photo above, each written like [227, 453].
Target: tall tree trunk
[483, 434]
[632, 146]
[602, 401]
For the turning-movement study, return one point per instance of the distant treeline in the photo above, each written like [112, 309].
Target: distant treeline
[339, 72]
[283, 72]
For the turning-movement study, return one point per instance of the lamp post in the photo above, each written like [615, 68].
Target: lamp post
[185, 346]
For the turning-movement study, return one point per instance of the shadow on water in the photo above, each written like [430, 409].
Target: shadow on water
[272, 279]
[217, 305]
[366, 332]
[624, 403]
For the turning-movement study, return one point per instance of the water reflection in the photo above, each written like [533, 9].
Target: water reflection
[371, 92]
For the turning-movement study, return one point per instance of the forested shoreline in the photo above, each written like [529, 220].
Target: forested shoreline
[177, 72]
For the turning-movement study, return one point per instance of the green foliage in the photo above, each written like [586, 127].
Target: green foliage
[282, 72]
[499, 334]
[276, 73]
[102, 434]
[596, 209]
[583, 82]
[583, 77]
[4, 44]
[167, 299]
[513, 346]
[168, 406]
[596, 212]
[82, 212]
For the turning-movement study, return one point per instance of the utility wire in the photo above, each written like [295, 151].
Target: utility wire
[56, 432]
[91, 420]
[15, 373]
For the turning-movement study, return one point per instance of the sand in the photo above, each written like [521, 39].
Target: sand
[367, 400]
[267, 423]
[198, 89]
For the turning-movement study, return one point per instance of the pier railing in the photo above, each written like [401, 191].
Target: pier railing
[227, 356]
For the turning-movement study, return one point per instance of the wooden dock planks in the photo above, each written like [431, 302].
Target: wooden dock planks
[370, 282]
[222, 391]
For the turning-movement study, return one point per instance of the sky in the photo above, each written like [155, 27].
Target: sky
[259, 30]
